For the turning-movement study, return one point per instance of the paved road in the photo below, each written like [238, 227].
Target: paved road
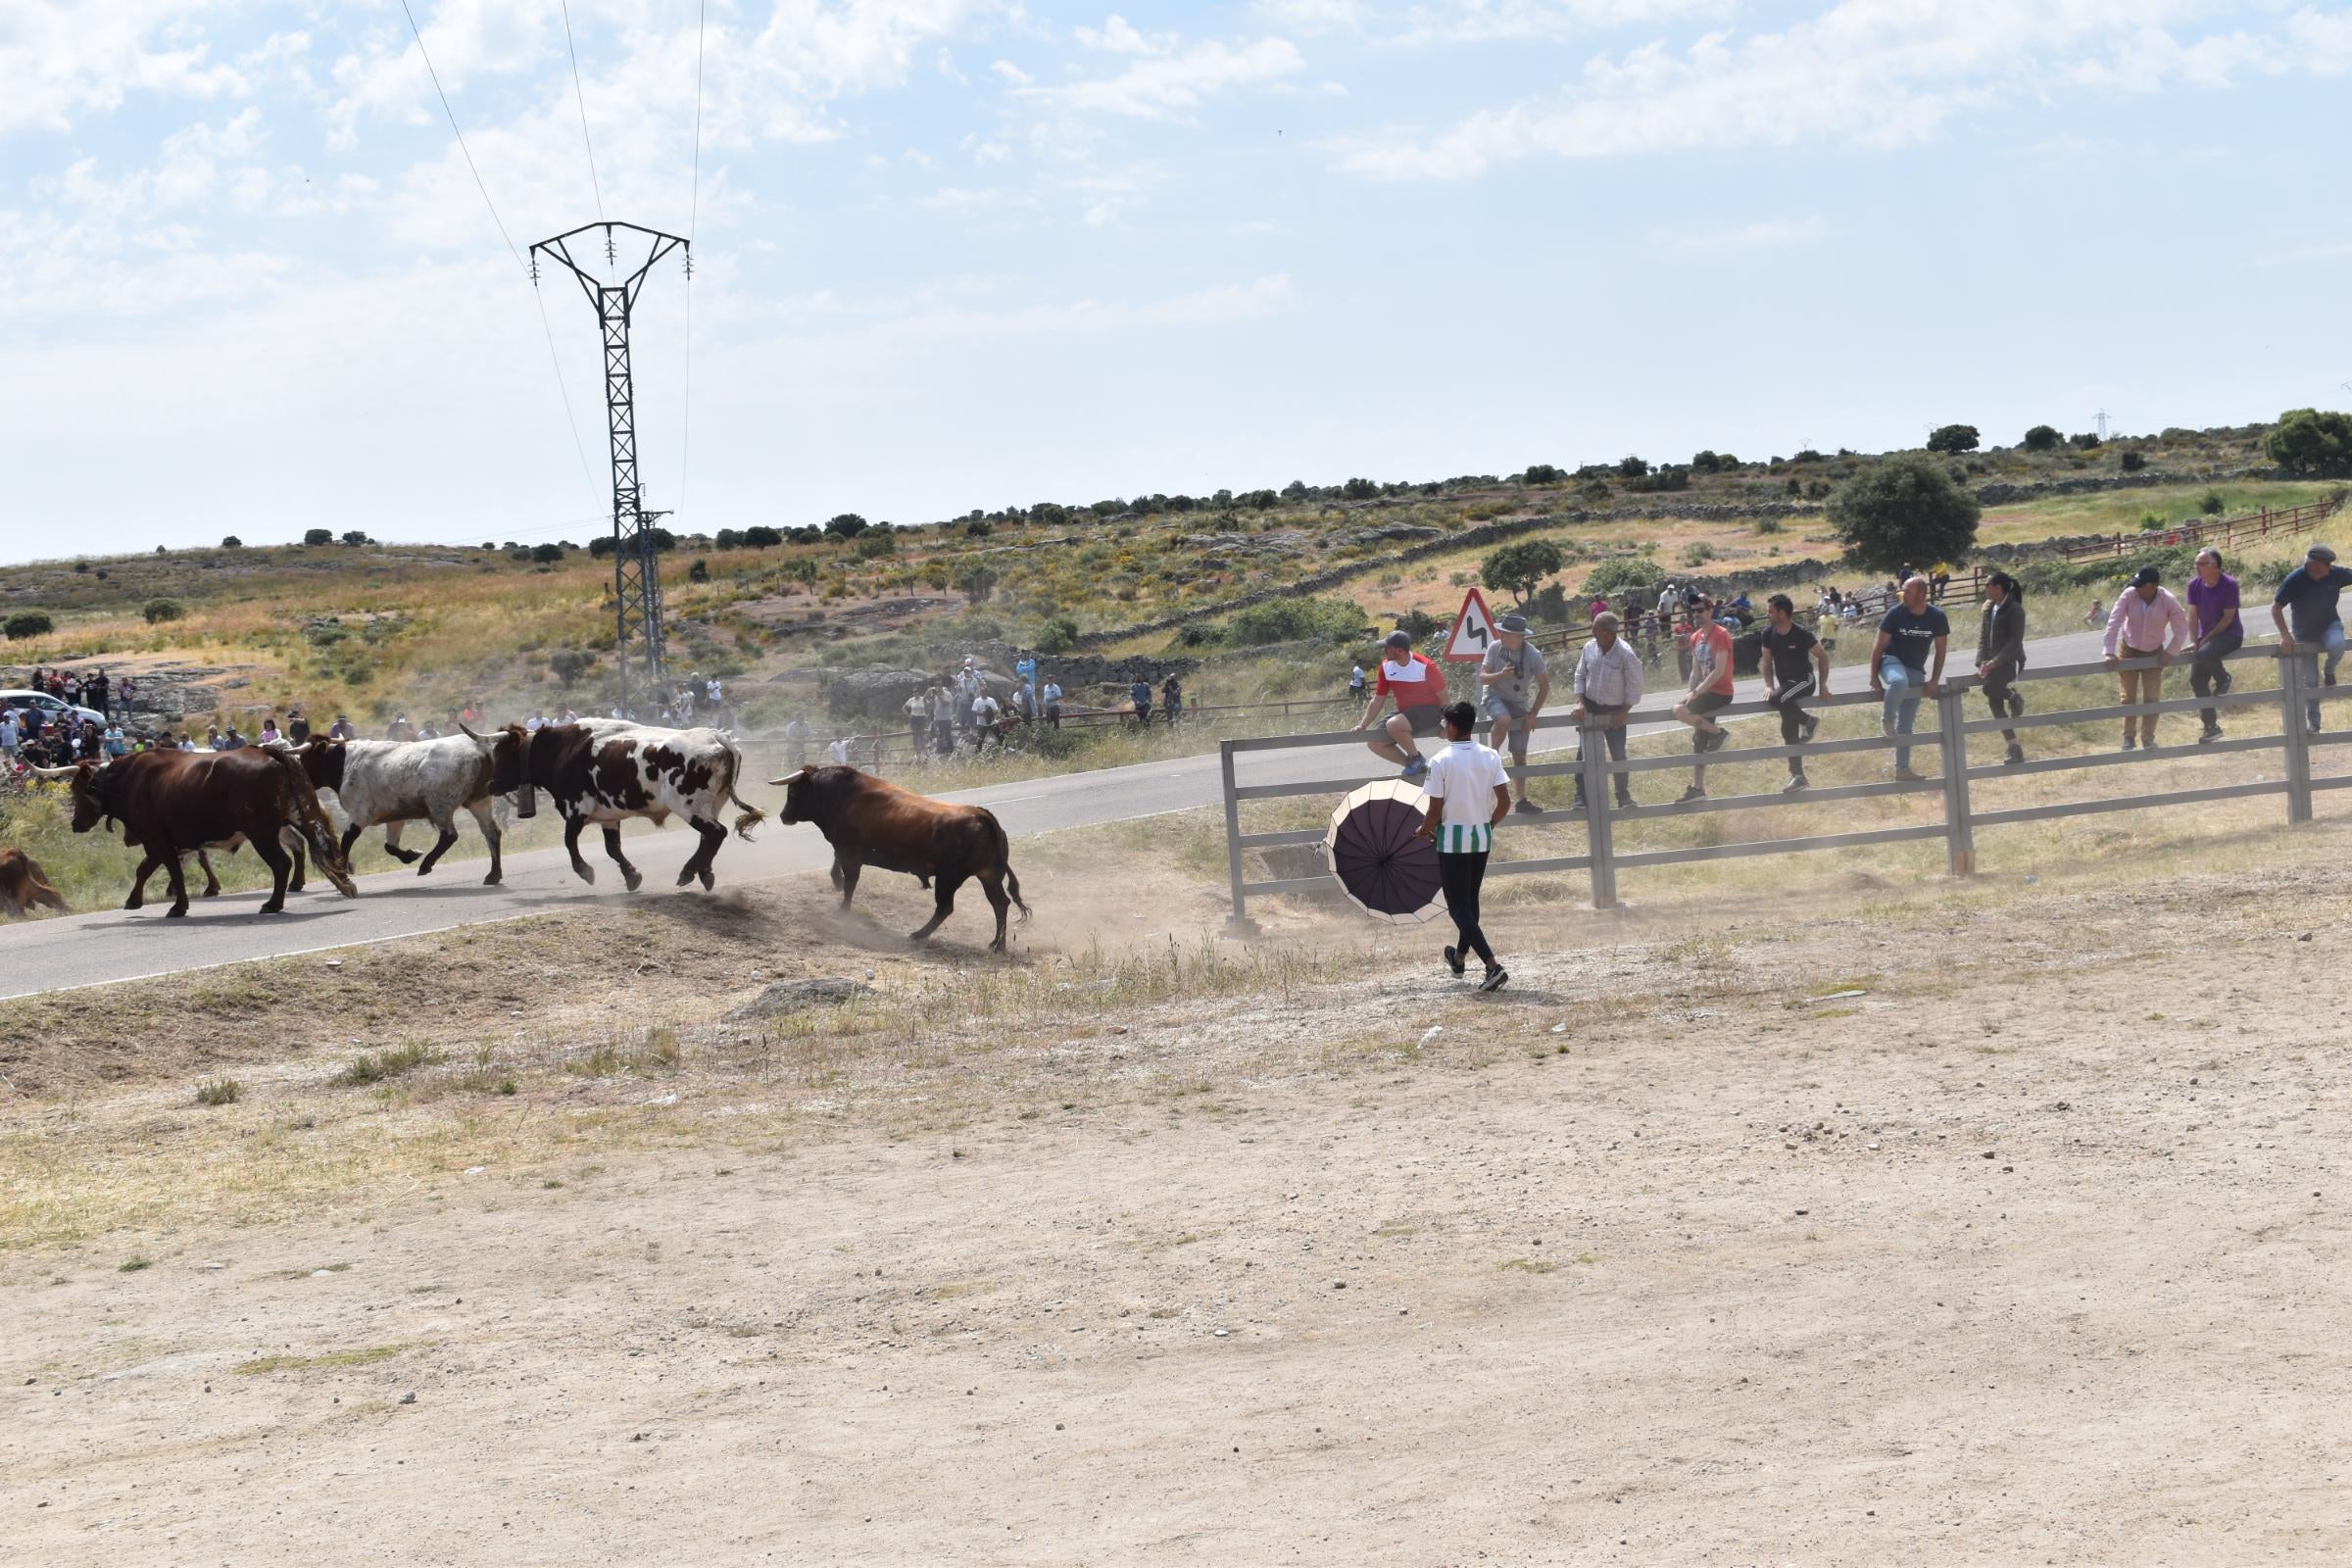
[117, 945]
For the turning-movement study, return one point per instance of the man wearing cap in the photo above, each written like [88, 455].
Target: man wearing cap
[1512, 663]
[2147, 622]
[2304, 610]
[1419, 688]
[1607, 684]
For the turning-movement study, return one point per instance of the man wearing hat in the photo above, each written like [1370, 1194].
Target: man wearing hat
[2304, 610]
[1513, 686]
[1419, 688]
[2147, 622]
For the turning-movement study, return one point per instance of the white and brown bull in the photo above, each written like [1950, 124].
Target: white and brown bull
[386, 783]
[605, 771]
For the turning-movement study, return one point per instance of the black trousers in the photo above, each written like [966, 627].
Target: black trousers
[2209, 677]
[2001, 695]
[1792, 718]
[1460, 875]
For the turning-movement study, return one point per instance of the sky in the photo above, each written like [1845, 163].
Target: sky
[973, 253]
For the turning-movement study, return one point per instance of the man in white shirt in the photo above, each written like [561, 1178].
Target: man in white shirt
[1469, 792]
[987, 713]
[918, 718]
[1052, 697]
[1607, 684]
[838, 750]
[11, 732]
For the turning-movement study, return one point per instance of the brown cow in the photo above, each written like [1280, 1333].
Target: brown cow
[872, 821]
[173, 803]
[21, 885]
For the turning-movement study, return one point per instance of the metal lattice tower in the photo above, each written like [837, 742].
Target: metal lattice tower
[636, 566]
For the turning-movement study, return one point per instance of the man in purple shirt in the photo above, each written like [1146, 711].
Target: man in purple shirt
[2146, 623]
[2214, 606]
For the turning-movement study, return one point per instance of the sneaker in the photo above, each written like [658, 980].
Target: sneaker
[1578, 805]
[1693, 793]
[2017, 704]
[1804, 735]
[1796, 785]
[2223, 682]
[1526, 808]
[1626, 802]
[1454, 960]
[1416, 771]
[1716, 741]
[1497, 978]
[2209, 734]
[1905, 775]
[2014, 756]
[2130, 743]
[1886, 727]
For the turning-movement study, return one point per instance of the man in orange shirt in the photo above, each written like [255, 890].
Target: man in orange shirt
[1419, 688]
[1710, 689]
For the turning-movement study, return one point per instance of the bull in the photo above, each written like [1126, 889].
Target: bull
[23, 885]
[385, 783]
[605, 770]
[872, 821]
[176, 804]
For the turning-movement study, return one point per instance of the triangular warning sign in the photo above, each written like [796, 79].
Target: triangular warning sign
[1473, 629]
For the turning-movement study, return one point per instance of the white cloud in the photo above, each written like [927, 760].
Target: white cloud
[1524, 20]
[1010, 73]
[1170, 81]
[1119, 38]
[1314, 16]
[1877, 72]
[59, 58]
[1747, 237]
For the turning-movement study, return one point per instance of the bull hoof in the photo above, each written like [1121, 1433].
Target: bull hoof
[273, 907]
[135, 902]
[177, 911]
[492, 880]
[587, 874]
[404, 857]
[709, 882]
[918, 936]
[632, 880]
[686, 876]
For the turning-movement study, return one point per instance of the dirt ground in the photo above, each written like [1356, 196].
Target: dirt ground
[1848, 1224]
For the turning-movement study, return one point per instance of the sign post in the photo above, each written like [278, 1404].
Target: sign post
[1473, 631]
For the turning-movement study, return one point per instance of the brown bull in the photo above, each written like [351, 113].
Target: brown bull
[872, 821]
[175, 804]
[21, 885]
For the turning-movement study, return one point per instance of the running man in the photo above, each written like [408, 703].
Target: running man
[1907, 663]
[1468, 793]
[1710, 651]
[2213, 606]
[1511, 663]
[2304, 608]
[1419, 688]
[2001, 654]
[1797, 669]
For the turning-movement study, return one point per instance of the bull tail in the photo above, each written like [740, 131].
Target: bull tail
[1012, 883]
[310, 820]
[751, 815]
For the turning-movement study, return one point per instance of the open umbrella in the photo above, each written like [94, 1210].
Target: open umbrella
[1377, 853]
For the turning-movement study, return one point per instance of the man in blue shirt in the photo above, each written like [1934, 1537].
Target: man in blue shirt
[2305, 612]
[1912, 633]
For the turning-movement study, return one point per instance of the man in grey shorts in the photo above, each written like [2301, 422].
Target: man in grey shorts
[1512, 688]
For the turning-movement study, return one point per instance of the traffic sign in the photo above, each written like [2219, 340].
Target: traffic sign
[1473, 629]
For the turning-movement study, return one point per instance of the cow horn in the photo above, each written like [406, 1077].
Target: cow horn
[470, 734]
[53, 772]
[789, 778]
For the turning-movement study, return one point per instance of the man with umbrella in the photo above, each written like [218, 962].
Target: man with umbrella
[1469, 792]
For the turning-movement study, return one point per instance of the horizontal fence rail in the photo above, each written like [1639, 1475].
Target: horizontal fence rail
[1600, 776]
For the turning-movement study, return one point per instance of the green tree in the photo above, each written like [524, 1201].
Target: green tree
[1520, 569]
[158, 611]
[2042, 438]
[1904, 509]
[1059, 635]
[546, 555]
[27, 624]
[2310, 441]
[2131, 462]
[1359, 489]
[976, 584]
[354, 537]
[698, 571]
[570, 663]
[1543, 473]
[845, 526]
[318, 536]
[760, 536]
[1953, 438]
[232, 542]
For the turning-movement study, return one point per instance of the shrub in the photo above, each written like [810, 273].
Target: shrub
[158, 611]
[219, 1092]
[370, 1067]
[1767, 525]
[1613, 576]
[1286, 621]
[1904, 509]
[2041, 438]
[2131, 462]
[1518, 569]
[546, 555]
[1059, 635]
[2084, 440]
[845, 526]
[570, 663]
[1953, 438]
[1705, 462]
[232, 542]
[876, 544]
[698, 571]
[356, 537]
[1673, 476]
[2211, 504]
[979, 528]
[760, 536]
[1549, 606]
[2309, 441]
[27, 624]
[318, 536]
[1543, 473]
[1698, 555]
[1359, 489]
[976, 583]
[1633, 467]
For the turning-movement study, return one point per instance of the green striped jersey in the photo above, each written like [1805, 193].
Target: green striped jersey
[1465, 838]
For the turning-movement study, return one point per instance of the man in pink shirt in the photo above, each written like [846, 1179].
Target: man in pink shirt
[1710, 690]
[2147, 623]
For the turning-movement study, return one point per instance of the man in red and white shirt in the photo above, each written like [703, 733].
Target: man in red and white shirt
[1710, 690]
[1419, 688]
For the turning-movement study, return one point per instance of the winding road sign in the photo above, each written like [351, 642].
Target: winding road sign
[1473, 629]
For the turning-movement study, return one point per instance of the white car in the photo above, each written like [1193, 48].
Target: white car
[54, 710]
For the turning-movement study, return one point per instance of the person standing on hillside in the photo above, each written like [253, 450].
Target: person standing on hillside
[2305, 612]
[797, 735]
[1511, 666]
[2001, 654]
[1907, 663]
[1052, 697]
[1607, 683]
[1710, 689]
[1419, 688]
[1356, 681]
[1796, 666]
[1468, 793]
[2213, 604]
[1139, 698]
[918, 718]
[2147, 623]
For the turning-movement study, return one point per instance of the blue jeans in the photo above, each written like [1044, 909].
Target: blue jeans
[1905, 686]
[2307, 653]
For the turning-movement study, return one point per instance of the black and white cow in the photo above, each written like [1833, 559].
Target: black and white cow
[605, 771]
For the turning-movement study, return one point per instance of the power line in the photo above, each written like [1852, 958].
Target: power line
[693, 211]
[581, 94]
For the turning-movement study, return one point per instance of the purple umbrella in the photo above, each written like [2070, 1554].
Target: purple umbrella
[1379, 856]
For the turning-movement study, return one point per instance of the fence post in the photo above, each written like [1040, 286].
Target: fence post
[1959, 830]
[2298, 748]
[1239, 923]
[1599, 791]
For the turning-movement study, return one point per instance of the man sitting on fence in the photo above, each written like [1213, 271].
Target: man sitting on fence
[1796, 670]
[2305, 610]
[2147, 623]
[2213, 606]
[1511, 663]
[1419, 688]
[1907, 663]
[1710, 690]
[1607, 683]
